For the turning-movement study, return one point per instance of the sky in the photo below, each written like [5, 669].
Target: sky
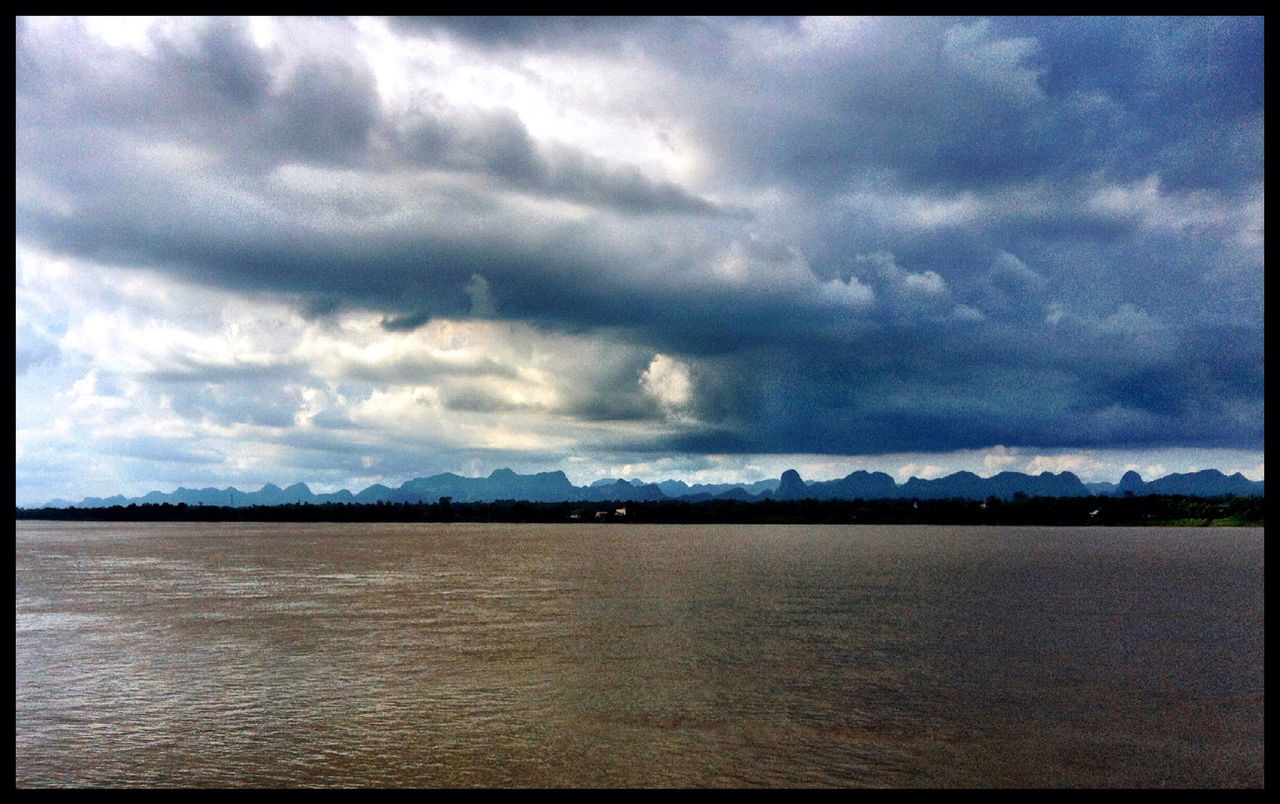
[348, 251]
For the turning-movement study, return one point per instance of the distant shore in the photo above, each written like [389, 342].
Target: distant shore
[1149, 510]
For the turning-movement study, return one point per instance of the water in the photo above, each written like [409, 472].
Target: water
[424, 655]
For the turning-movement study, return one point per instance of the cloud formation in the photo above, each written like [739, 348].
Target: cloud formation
[363, 249]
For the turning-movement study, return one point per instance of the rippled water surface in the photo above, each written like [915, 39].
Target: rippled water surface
[626, 655]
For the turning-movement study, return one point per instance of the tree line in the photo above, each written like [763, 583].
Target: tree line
[1150, 509]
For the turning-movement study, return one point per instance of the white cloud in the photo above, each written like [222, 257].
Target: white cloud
[783, 271]
[668, 380]
[761, 265]
[909, 293]
[924, 212]
[924, 471]
[1146, 203]
[928, 283]
[1012, 276]
[998, 459]
[133, 32]
[1077, 464]
[846, 293]
[1129, 319]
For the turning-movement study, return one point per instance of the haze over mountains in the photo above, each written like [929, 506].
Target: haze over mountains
[504, 484]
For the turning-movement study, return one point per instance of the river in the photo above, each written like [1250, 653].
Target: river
[616, 655]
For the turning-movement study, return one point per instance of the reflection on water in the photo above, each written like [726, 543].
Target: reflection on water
[624, 655]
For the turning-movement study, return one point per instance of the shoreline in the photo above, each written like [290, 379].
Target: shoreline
[1150, 510]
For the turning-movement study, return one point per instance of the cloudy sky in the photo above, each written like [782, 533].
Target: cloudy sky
[350, 251]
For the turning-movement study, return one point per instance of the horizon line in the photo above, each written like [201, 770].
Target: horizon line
[733, 483]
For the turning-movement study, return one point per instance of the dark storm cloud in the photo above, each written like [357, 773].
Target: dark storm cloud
[207, 87]
[222, 68]
[887, 101]
[498, 144]
[975, 103]
[85, 118]
[326, 111]
[961, 244]
[1078, 384]
[1185, 94]
[212, 92]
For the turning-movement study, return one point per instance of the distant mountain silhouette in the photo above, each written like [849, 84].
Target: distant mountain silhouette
[1205, 483]
[791, 487]
[373, 494]
[1005, 485]
[623, 490]
[859, 485]
[1131, 483]
[678, 489]
[504, 484]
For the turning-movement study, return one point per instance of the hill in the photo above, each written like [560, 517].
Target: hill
[555, 486]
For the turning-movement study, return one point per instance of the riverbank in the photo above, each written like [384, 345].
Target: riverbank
[1149, 510]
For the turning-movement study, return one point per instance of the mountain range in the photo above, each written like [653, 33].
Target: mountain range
[504, 484]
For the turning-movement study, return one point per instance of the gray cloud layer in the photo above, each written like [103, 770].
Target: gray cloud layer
[885, 235]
